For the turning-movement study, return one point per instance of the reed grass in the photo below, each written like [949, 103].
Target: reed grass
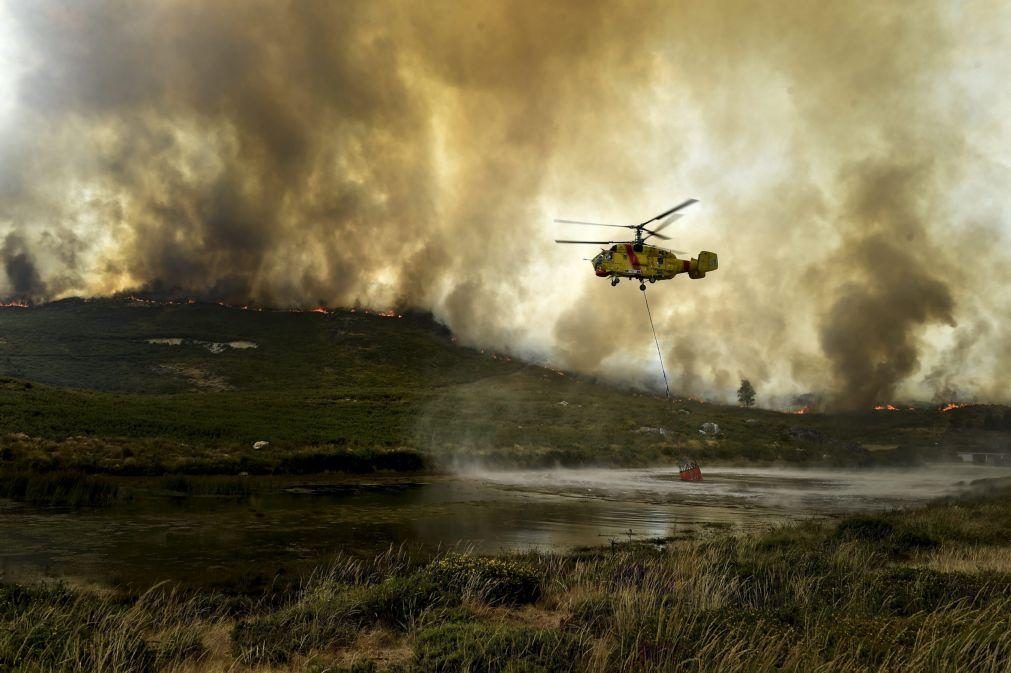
[843, 597]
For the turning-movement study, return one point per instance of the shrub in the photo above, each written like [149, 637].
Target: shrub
[331, 616]
[394, 602]
[872, 639]
[898, 541]
[67, 489]
[85, 633]
[593, 613]
[865, 528]
[358, 461]
[907, 591]
[17, 598]
[274, 638]
[400, 460]
[497, 581]
[178, 644]
[907, 541]
[445, 615]
[327, 666]
[456, 648]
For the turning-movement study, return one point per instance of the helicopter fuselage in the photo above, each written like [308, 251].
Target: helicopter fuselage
[649, 262]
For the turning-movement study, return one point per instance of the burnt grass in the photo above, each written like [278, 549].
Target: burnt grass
[871, 593]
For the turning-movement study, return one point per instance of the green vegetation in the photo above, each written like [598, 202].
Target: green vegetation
[73, 489]
[86, 392]
[497, 648]
[494, 581]
[52, 628]
[746, 394]
[920, 590]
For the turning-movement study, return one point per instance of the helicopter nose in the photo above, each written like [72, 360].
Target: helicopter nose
[600, 271]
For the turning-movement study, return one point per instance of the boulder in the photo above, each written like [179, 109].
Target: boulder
[709, 429]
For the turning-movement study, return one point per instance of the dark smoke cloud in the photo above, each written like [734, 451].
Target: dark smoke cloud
[888, 289]
[23, 278]
[394, 153]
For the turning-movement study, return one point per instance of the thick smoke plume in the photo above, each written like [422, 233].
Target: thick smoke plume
[848, 158]
[24, 279]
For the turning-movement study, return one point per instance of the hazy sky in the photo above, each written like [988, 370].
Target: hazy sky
[851, 159]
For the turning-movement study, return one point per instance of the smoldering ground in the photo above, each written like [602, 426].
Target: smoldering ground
[848, 159]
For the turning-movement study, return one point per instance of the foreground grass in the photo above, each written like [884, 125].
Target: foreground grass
[921, 590]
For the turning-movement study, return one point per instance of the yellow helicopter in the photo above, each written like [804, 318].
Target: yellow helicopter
[644, 262]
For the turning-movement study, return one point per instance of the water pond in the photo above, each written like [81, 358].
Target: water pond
[300, 524]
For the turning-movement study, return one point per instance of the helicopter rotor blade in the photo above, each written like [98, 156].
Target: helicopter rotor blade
[653, 233]
[595, 224]
[586, 242]
[667, 221]
[672, 210]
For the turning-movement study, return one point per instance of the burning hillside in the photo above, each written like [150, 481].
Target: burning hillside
[394, 155]
[952, 405]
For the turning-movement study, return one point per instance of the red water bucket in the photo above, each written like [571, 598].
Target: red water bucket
[690, 472]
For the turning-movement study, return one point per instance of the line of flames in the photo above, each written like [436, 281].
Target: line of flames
[952, 405]
[890, 407]
[947, 407]
[389, 313]
[324, 310]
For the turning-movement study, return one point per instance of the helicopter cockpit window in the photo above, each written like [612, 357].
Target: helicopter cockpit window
[608, 256]
[597, 259]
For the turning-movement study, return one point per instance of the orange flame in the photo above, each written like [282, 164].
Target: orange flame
[17, 303]
[952, 405]
[803, 410]
[885, 407]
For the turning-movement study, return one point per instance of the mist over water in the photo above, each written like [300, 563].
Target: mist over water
[808, 491]
[850, 160]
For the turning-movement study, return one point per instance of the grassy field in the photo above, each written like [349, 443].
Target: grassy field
[84, 390]
[919, 590]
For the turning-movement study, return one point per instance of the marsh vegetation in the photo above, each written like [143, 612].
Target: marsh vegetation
[920, 590]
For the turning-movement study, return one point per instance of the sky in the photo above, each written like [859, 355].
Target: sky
[10, 59]
[850, 158]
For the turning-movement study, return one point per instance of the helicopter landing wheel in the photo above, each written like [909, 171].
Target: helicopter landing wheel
[614, 282]
[642, 286]
[652, 280]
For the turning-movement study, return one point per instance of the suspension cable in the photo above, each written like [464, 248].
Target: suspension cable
[657, 342]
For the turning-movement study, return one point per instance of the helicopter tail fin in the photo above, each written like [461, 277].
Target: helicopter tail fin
[706, 261]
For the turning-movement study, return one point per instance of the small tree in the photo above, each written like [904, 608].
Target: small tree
[746, 393]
